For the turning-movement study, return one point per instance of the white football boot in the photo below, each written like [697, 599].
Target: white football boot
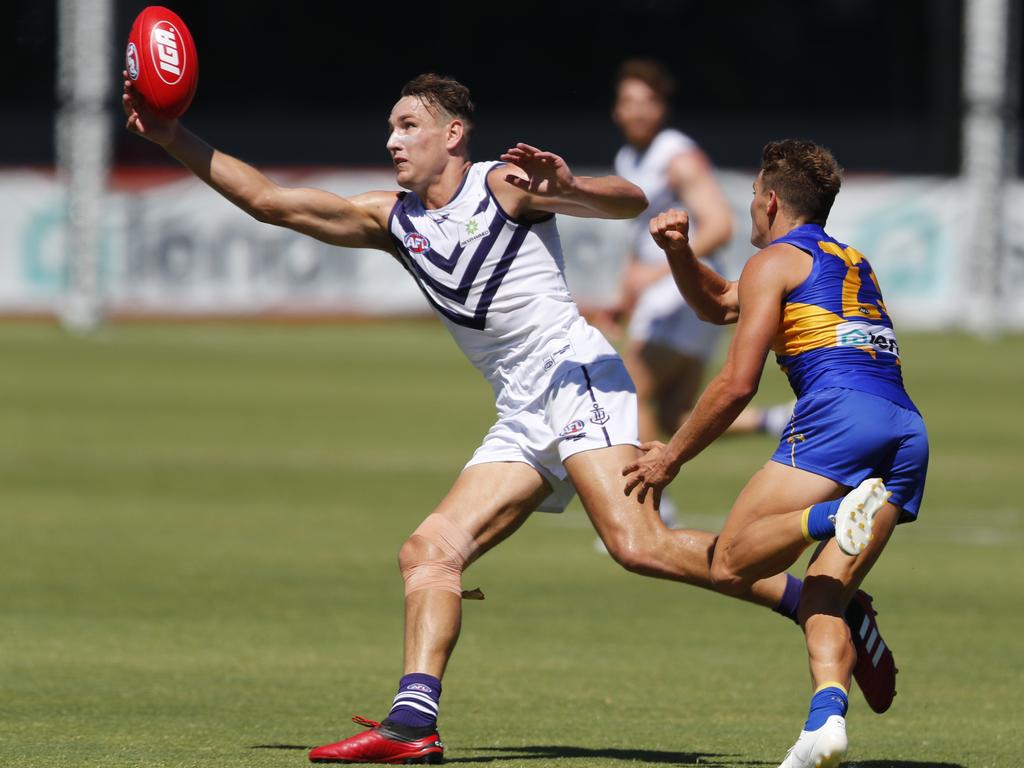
[856, 515]
[823, 748]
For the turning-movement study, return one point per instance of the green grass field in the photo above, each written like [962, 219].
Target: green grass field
[198, 530]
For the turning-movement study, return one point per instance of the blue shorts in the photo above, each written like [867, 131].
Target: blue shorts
[848, 436]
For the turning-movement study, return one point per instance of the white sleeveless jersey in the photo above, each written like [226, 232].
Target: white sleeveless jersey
[499, 286]
[649, 171]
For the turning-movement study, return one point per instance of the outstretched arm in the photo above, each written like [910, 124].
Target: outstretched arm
[358, 222]
[537, 182]
[712, 297]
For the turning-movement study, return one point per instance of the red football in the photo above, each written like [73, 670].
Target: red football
[161, 61]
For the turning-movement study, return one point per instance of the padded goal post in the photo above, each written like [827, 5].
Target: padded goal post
[86, 73]
[989, 152]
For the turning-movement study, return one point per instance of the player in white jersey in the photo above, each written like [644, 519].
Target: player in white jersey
[669, 345]
[481, 242]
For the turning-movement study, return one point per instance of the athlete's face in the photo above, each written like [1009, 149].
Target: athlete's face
[639, 112]
[418, 143]
[761, 207]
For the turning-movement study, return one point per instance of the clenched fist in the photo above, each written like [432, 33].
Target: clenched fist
[671, 229]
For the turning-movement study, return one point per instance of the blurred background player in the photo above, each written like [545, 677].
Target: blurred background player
[817, 303]
[668, 344]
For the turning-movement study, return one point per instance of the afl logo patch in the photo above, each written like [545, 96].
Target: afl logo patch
[574, 430]
[131, 61]
[416, 243]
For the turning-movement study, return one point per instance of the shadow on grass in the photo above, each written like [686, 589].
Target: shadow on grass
[279, 746]
[555, 752]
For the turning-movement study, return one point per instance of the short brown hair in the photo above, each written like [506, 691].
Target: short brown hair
[650, 72]
[442, 94]
[804, 175]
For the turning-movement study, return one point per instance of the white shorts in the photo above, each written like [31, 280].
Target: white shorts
[589, 406]
[662, 317]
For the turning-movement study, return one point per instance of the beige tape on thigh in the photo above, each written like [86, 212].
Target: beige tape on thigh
[442, 572]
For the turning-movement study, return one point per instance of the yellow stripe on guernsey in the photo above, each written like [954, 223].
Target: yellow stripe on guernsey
[806, 327]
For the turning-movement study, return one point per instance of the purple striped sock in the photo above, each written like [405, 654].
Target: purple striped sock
[416, 702]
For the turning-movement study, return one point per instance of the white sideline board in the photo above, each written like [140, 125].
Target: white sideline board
[177, 248]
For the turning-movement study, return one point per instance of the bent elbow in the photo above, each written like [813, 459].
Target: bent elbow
[726, 315]
[716, 315]
[262, 215]
[630, 207]
[640, 204]
[703, 314]
[265, 209]
[740, 391]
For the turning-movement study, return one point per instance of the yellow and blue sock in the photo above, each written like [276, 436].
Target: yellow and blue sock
[830, 699]
[819, 520]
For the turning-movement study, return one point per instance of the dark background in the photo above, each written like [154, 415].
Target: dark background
[312, 82]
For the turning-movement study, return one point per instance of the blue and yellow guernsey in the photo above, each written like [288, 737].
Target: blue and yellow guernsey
[835, 330]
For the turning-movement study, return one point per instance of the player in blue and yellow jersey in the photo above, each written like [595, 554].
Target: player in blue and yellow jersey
[852, 462]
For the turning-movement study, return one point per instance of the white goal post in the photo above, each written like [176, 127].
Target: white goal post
[86, 70]
[988, 160]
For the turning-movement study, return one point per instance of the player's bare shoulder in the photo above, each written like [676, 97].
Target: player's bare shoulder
[780, 266]
[511, 198]
[375, 208]
[377, 204]
[514, 200]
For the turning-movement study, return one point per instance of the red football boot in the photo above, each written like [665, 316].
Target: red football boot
[875, 671]
[381, 744]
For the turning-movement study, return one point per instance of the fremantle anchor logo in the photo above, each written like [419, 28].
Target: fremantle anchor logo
[599, 415]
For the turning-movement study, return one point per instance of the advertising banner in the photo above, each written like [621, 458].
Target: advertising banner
[171, 246]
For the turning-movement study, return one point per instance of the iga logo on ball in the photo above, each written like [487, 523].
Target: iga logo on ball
[170, 60]
[161, 60]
